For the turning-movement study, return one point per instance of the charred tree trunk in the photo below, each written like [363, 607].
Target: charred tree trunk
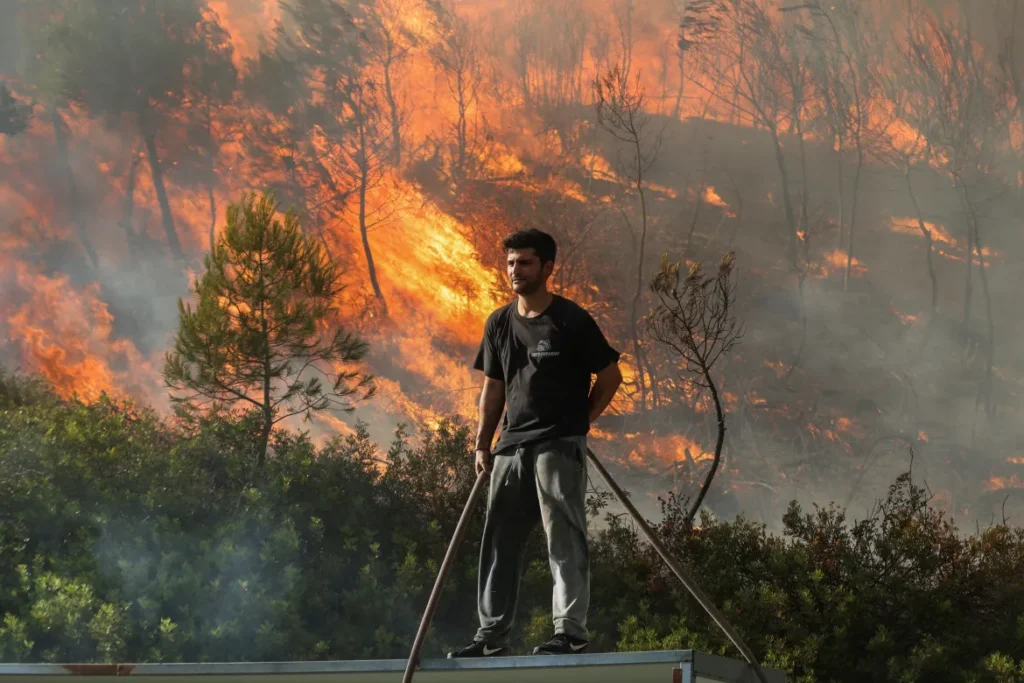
[720, 415]
[372, 269]
[638, 353]
[991, 331]
[929, 245]
[167, 218]
[635, 311]
[853, 215]
[395, 114]
[969, 285]
[696, 215]
[523, 51]
[336, 196]
[293, 176]
[213, 215]
[991, 336]
[264, 442]
[77, 214]
[841, 190]
[803, 171]
[738, 220]
[787, 201]
[803, 308]
[268, 405]
[364, 182]
[735, 109]
[211, 177]
[625, 22]
[462, 128]
[128, 207]
[986, 385]
[677, 108]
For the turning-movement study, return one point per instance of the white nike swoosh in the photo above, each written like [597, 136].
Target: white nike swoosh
[577, 648]
[488, 651]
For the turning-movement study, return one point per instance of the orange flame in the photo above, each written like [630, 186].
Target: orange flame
[648, 449]
[905, 318]
[778, 367]
[834, 265]
[437, 286]
[244, 22]
[945, 244]
[1000, 483]
[712, 197]
[67, 337]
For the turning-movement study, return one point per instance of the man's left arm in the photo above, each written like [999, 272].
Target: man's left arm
[605, 386]
[602, 360]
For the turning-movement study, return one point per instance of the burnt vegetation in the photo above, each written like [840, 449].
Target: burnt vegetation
[857, 165]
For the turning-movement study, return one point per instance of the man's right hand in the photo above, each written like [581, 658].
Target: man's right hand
[483, 461]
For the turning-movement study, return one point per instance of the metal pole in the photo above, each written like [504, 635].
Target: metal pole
[442, 575]
[691, 586]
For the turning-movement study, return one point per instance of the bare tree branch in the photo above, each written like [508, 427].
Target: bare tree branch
[694, 318]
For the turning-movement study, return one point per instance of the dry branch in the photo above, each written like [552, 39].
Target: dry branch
[695, 319]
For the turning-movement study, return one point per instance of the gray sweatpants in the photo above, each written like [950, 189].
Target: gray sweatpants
[544, 482]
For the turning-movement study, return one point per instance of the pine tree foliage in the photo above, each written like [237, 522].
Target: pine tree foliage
[264, 330]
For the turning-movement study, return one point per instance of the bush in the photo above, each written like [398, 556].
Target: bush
[125, 538]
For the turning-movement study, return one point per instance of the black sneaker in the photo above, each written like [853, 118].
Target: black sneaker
[561, 644]
[477, 648]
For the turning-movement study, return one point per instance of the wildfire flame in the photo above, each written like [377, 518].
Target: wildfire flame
[945, 245]
[432, 257]
[906, 318]
[1001, 483]
[243, 21]
[67, 337]
[841, 425]
[833, 264]
[646, 450]
[711, 197]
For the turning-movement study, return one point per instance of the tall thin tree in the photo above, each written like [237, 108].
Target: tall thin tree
[620, 104]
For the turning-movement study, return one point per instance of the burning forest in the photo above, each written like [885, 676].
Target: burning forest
[861, 160]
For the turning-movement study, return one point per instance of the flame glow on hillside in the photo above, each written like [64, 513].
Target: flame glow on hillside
[493, 104]
[65, 335]
[833, 264]
[658, 452]
[945, 244]
[712, 198]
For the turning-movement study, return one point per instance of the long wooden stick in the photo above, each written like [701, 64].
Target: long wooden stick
[442, 575]
[691, 586]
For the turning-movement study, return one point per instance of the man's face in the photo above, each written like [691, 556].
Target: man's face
[525, 272]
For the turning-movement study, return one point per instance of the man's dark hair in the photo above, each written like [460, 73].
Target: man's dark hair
[539, 241]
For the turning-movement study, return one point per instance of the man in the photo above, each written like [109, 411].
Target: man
[537, 355]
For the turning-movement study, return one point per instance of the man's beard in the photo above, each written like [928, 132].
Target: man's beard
[526, 286]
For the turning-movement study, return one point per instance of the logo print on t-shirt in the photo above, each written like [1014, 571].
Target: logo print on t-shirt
[544, 350]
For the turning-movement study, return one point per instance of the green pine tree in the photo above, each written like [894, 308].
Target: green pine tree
[259, 332]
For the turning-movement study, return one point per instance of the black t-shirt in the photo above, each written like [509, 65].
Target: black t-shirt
[546, 364]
